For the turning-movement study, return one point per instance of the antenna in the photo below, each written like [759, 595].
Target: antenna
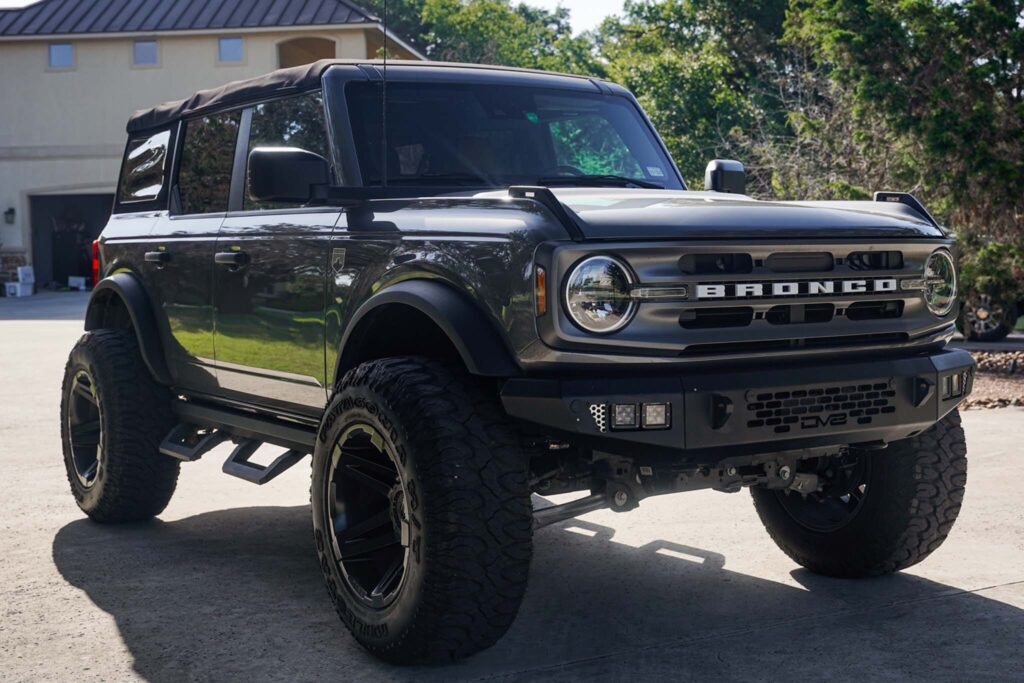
[384, 107]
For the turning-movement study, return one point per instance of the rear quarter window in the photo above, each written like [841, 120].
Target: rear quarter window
[143, 171]
[207, 156]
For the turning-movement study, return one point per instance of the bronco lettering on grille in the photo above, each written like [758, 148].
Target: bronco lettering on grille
[747, 290]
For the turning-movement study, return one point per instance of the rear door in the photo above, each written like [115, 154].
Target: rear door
[179, 260]
[271, 276]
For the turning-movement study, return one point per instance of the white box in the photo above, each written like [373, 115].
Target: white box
[78, 282]
[26, 275]
[17, 289]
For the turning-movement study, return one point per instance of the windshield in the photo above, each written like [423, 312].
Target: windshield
[454, 135]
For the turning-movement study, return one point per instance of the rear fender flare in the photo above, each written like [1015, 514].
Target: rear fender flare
[127, 288]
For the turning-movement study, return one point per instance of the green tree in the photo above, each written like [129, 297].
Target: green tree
[489, 32]
[697, 67]
[948, 75]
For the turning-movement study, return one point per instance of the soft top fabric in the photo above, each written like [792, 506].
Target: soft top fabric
[278, 83]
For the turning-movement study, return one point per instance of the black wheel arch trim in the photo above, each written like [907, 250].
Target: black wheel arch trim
[478, 342]
[126, 287]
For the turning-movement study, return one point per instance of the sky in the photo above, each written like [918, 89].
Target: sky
[586, 14]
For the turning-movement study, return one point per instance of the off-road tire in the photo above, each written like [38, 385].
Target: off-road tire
[471, 541]
[133, 481]
[912, 498]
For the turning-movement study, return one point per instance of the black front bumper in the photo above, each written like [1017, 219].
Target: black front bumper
[736, 412]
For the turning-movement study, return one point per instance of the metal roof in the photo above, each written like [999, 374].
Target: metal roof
[85, 17]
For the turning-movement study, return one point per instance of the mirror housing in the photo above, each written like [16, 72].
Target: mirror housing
[286, 174]
[725, 175]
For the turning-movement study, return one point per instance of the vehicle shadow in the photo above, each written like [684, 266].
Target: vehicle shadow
[237, 595]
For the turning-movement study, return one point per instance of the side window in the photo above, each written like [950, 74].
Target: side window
[292, 122]
[142, 176]
[591, 144]
[207, 154]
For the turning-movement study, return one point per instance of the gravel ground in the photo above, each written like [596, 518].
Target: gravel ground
[999, 381]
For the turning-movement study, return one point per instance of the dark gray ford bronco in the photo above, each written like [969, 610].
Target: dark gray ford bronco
[456, 287]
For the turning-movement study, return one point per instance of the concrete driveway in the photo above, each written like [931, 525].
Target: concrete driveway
[225, 585]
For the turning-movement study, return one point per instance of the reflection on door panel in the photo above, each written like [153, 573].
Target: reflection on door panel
[270, 310]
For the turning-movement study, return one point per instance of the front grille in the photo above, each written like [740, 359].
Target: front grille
[875, 260]
[757, 297]
[708, 318]
[812, 409]
[800, 262]
[874, 310]
[796, 314]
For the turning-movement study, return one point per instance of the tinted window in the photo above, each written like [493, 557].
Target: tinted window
[230, 50]
[62, 56]
[142, 177]
[292, 122]
[486, 135]
[207, 154]
[144, 53]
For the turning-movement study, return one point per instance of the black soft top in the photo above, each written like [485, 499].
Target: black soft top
[280, 83]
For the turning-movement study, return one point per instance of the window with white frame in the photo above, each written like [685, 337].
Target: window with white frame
[230, 50]
[61, 56]
[145, 53]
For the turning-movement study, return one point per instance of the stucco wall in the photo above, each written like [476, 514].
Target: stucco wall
[63, 131]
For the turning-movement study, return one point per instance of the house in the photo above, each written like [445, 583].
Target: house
[72, 71]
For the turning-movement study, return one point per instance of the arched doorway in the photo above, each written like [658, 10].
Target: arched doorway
[298, 51]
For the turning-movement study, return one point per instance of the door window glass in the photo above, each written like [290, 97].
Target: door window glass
[292, 122]
[207, 154]
[142, 177]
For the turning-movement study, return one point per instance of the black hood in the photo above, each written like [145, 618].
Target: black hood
[613, 213]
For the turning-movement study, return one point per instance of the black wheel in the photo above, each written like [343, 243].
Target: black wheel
[878, 511]
[421, 511]
[113, 417]
[987, 320]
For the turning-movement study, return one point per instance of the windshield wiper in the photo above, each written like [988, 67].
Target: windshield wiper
[598, 180]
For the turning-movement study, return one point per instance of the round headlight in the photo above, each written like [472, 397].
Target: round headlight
[597, 294]
[940, 283]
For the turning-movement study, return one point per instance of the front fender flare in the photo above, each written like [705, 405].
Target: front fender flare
[127, 288]
[477, 340]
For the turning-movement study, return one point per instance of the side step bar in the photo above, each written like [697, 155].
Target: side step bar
[238, 464]
[237, 423]
[204, 427]
[185, 444]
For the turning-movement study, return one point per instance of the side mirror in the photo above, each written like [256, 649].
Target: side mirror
[725, 175]
[286, 174]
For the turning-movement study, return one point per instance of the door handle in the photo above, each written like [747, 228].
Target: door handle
[160, 258]
[233, 259]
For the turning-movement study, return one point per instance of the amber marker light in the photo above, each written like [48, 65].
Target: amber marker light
[541, 290]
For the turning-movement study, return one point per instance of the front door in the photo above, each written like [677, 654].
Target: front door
[270, 277]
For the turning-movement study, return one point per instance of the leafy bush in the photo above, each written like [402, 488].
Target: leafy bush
[994, 268]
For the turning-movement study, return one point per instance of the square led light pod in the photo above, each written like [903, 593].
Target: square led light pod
[657, 415]
[624, 416]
